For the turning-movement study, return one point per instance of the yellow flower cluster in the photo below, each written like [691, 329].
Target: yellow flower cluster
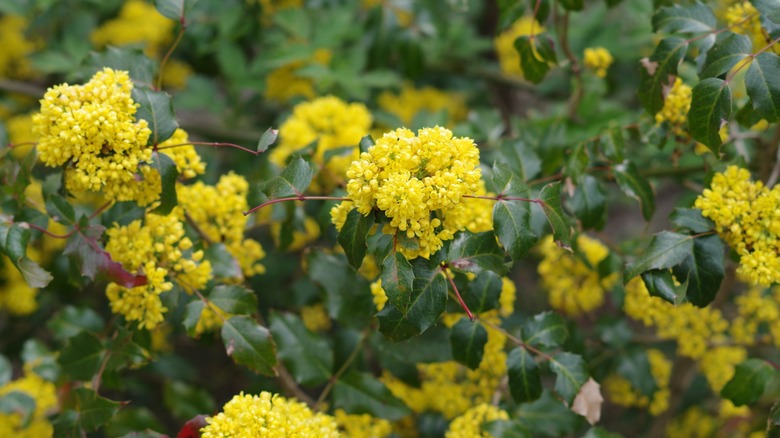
[418, 182]
[300, 238]
[138, 22]
[622, 393]
[693, 423]
[316, 318]
[283, 84]
[469, 425]
[411, 101]
[211, 318]
[16, 297]
[268, 415]
[693, 328]
[480, 211]
[598, 59]
[186, 158]
[362, 426]
[717, 364]
[747, 217]
[93, 128]
[45, 395]
[13, 57]
[217, 212]
[20, 132]
[175, 74]
[574, 288]
[333, 124]
[677, 103]
[158, 247]
[508, 57]
[743, 18]
[756, 308]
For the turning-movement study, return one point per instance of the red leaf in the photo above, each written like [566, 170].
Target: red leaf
[192, 428]
[93, 259]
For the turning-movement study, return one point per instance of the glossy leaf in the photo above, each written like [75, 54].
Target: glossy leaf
[192, 312]
[769, 9]
[234, 299]
[468, 339]
[81, 356]
[522, 159]
[751, 378]
[93, 410]
[19, 404]
[476, 252]
[223, 263]
[570, 374]
[512, 219]
[546, 329]
[249, 344]
[60, 210]
[267, 139]
[635, 367]
[397, 280]
[13, 242]
[667, 249]
[613, 144]
[293, 181]
[394, 325]
[70, 321]
[634, 185]
[710, 108]
[588, 203]
[168, 175]
[352, 236]
[691, 219]
[307, 356]
[660, 283]
[347, 296]
[548, 417]
[525, 380]
[659, 71]
[692, 18]
[703, 270]
[156, 108]
[537, 52]
[482, 293]
[174, 9]
[729, 49]
[362, 393]
[550, 198]
[129, 59]
[92, 259]
[763, 87]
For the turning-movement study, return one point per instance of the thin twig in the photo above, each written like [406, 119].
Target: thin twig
[207, 143]
[457, 293]
[343, 368]
[295, 198]
[182, 28]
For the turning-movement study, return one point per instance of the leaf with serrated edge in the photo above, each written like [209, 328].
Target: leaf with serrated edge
[13, 242]
[362, 392]
[570, 374]
[156, 108]
[659, 71]
[634, 185]
[525, 381]
[249, 344]
[352, 236]
[293, 181]
[703, 270]
[769, 9]
[667, 249]
[476, 252]
[468, 339]
[267, 139]
[397, 280]
[710, 108]
[94, 411]
[749, 382]
[729, 49]
[168, 175]
[234, 299]
[307, 356]
[547, 329]
[762, 85]
[691, 219]
[694, 18]
[550, 198]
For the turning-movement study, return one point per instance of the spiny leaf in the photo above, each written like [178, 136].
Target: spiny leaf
[659, 71]
[156, 108]
[691, 219]
[729, 49]
[174, 9]
[468, 339]
[168, 174]
[397, 280]
[352, 236]
[589, 203]
[93, 410]
[762, 85]
[570, 374]
[512, 219]
[234, 299]
[81, 356]
[710, 108]
[769, 9]
[703, 270]
[249, 344]
[13, 242]
[693, 18]
[525, 381]
[536, 54]
[522, 159]
[307, 356]
[550, 198]
[634, 185]
[93, 259]
[482, 293]
[293, 181]
[667, 249]
[476, 252]
[361, 392]
[547, 329]
[660, 283]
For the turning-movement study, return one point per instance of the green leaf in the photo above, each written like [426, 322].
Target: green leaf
[93, 411]
[522, 159]
[570, 374]
[92, 259]
[588, 203]
[129, 59]
[6, 370]
[634, 185]
[156, 108]
[693, 18]
[18, 403]
[468, 339]
[751, 378]
[691, 219]
[666, 250]
[769, 9]
[729, 49]
[635, 367]
[223, 264]
[703, 270]
[525, 380]
[572, 5]
[550, 198]
[13, 242]
[548, 417]
[659, 71]
[60, 210]
[268, 138]
[512, 219]
[476, 252]
[168, 174]
[360, 393]
[613, 144]
[249, 344]
[509, 11]
[547, 329]
[307, 356]
[293, 181]
[347, 295]
[397, 280]
[192, 312]
[71, 321]
[710, 108]
[394, 325]
[186, 401]
[174, 9]
[482, 293]
[365, 143]
[773, 422]
[81, 356]
[763, 87]
[234, 299]
[660, 283]
[536, 54]
[352, 236]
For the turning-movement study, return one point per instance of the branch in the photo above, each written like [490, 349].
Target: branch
[295, 198]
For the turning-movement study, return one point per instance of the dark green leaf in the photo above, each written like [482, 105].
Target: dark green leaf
[192, 312]
[234, 299]
[6, 370]
[550, 198]
[506, 429]
[751, 378]
[18, 403]
[174, 9]
[729, 49]
[572, 5]
[769, 9]
[397, 280]
[186, 401]
[168, 174]
[525, 380]
[589, 203]
[347, 295]
[70, 321]
[512, 219]
[635, 367]
[666, 250]
[476, 252]
[81, 356]
[613, 144]
[536, 54]
[268, 138]
[703, 270]
[577, 161]
[547, 329]
[307, 356]
[659, 71]
[548, 417]
[468, 339]
[522, 159]
[360, 393]
[223, 264]
[365, 143]
[129, 59]
[693, 18]
[710, 108]
[13, 242]
[763, 87]
[352, 236]
[92, 259]
[570, 374]
[660, 283]
[249, 344]
[60, 210]
[509, 11]
[691, 219]
[156, 108]
[93, 411]
[482, 293]
[394, 325]
[634, 185]
[293, 181]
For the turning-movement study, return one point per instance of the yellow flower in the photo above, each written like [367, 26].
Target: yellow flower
[175, 74]
[598, 59]
[505, 44]
[718, 364]
[411, 101]
[268, 415]
[418, 182]
[16, 47]
[469, 425]
[693, 423]
[211, 318]
[138, 22]
[20, 134]
[300, 238]
[677, 103]
[621, 392]
[380, 296]
[743, 18]
[316, 318]
[283, 84]
[362, 426]
[16, 297]
[44, 393]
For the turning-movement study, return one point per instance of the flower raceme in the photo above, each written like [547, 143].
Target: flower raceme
[417, 182]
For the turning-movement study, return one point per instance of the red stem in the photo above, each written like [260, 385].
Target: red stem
[457, 294]
[206, 143]
[296, 198]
